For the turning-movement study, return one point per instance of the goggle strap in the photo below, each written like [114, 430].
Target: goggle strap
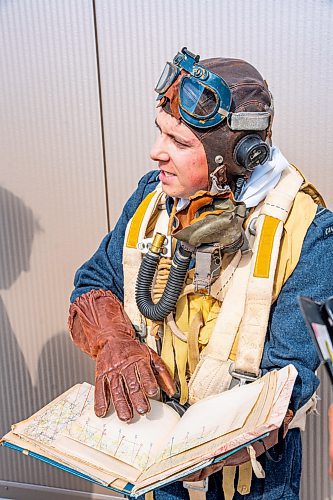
[246, 120]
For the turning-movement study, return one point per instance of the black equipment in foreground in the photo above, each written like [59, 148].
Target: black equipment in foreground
[319, 319]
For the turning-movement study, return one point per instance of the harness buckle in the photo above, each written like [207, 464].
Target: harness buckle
[141, 332]
[242, 378]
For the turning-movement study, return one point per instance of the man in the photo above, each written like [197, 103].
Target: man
[245, 234]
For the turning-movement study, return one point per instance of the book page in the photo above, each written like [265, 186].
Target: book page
[46, 425]
[281, 405]
[282, 378]
[102, 476]
[135, 443]
[102, 463]
[212, 417]
[172, 475]
[254, 426]
[72, 415]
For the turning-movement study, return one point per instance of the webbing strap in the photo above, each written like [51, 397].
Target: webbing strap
[196, 489]
[244, 478]
[228, 481]
[256, 466]
[253, 328]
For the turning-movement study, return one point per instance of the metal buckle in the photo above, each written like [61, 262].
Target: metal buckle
[243, 377]
[141, 331]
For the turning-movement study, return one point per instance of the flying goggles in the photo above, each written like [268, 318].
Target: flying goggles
[202, 98]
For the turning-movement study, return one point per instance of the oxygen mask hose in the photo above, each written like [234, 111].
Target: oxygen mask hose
[179, 267]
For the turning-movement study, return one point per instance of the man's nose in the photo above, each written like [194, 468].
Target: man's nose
[158, 151]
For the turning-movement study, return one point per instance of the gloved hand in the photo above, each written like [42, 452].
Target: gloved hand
[127, 371]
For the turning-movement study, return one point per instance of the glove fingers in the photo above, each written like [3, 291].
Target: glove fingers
[135, 390]
[119, 397]
[161, 372]
[147, 378]
[102, 396]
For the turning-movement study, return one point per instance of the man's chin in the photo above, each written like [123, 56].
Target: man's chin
[171, 191]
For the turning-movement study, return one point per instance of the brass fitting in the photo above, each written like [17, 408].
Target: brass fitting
[157, 243]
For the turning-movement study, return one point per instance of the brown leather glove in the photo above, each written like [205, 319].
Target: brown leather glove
[127, 371]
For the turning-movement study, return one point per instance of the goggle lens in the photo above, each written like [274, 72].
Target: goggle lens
[167, 78]
[198, 100]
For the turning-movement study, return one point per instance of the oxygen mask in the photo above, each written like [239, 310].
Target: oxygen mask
[211, 219]
[213, 225]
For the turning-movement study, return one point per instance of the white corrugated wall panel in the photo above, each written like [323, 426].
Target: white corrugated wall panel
[289, 41]
[53, 210]
[52, 206]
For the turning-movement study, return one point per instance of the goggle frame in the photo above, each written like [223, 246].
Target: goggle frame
[197, 75]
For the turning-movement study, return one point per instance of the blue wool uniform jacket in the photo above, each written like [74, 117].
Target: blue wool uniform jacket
[287, 340]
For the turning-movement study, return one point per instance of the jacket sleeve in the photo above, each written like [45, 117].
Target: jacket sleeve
[288, 340]
[104, 271]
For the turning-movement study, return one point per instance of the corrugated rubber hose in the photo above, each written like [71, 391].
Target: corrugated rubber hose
[143, 289]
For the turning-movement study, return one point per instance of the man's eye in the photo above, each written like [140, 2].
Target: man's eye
[179, 143]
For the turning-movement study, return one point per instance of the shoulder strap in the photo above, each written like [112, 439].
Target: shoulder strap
[247, 303]
[273, 215]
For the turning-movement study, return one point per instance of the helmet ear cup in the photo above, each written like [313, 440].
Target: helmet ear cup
[251, 151]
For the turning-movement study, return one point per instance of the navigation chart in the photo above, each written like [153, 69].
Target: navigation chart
[48, 423]
[135, 443]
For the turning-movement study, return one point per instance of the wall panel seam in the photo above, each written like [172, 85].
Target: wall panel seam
[101, 116]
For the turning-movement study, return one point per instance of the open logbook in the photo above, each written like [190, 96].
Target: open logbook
[157, 448]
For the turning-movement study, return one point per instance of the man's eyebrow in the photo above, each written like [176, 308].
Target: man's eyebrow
[174, 135]
[170, 134]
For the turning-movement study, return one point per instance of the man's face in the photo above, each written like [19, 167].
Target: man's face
[181, 158]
